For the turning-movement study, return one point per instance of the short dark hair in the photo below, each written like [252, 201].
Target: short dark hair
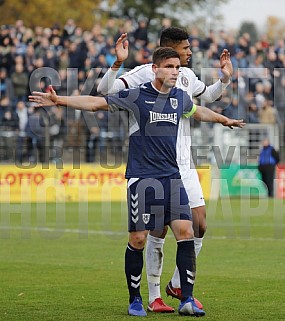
[172, 36]
[163, 53]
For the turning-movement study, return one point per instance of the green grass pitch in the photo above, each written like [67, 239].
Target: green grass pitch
[65, 262]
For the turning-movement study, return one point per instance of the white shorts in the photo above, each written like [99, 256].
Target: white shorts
[192, 185]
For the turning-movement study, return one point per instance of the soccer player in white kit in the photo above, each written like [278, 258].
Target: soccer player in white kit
[177, 39]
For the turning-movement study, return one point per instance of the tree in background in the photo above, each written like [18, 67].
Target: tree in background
[163, 8]
[46, 13]
[275, 28]
[250, 28]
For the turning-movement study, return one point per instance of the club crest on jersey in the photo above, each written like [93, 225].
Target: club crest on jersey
[145, 218]
[174, 103]
[159, 117]
[184, 81]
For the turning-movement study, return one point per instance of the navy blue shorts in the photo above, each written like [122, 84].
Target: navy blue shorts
[154, 203]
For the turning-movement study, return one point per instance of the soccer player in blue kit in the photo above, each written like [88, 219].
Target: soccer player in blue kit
[156, 195]
[178, 39]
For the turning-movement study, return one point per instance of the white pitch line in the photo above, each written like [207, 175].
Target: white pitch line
[244, 238]
[65, 230]
[247, 224]
[114, 233]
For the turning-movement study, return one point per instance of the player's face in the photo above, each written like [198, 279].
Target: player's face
[167, 72]
[184, 51]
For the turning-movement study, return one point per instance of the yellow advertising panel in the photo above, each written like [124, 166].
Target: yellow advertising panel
[92, 183]
[23, 185]
[87, 183]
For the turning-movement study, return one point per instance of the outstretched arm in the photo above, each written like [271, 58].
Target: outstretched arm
[122, 51]
[214, 91]
[109, 84]
[87, 103]
[207, 115]
[226, 66]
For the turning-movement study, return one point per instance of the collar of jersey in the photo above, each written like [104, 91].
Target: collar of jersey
[160, 92]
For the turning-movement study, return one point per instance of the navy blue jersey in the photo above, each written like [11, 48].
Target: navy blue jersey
[154, 119]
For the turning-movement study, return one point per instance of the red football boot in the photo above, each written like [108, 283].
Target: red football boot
[176, 293]
[159, 306]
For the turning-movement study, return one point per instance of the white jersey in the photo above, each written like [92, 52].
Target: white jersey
[188, 82]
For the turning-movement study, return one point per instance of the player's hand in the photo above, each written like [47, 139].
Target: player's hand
[122, 48]
[44, 99]
[231, 123]
[226, 65]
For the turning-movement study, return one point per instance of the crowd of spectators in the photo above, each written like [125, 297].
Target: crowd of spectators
[256, 93]
[81, 57]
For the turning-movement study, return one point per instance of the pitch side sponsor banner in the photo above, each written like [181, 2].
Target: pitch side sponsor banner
[88, 183]
[280, 181]
[22, 185]
[93, 183]
[237, 180]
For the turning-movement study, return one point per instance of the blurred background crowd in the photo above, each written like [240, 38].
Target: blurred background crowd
[81, 57]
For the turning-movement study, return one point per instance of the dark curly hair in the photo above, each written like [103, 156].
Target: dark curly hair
[172, 36]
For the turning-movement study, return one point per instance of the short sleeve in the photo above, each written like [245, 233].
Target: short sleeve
[137, 76]
[123, 100]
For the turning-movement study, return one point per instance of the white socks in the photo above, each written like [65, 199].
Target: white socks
[175, 281]
[154, 263]
[198, 242]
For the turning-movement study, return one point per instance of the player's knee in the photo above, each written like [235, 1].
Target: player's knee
[185, 234]
[160, 234]
[199, 221]
[138, 239]
[202, 228]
